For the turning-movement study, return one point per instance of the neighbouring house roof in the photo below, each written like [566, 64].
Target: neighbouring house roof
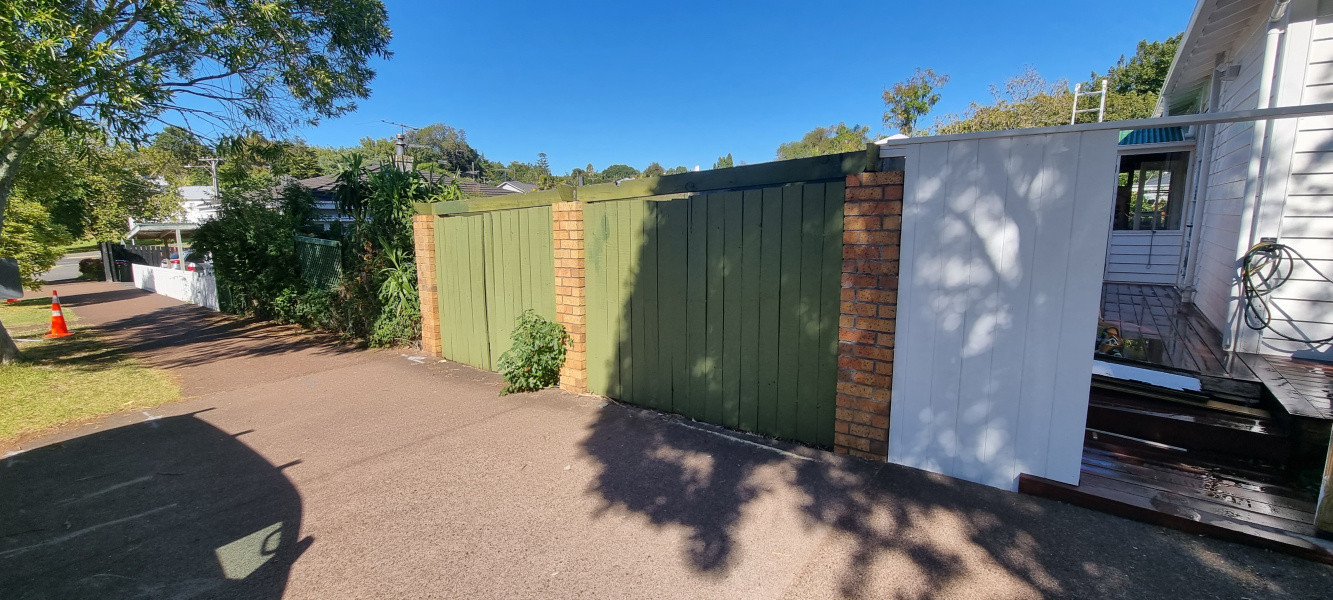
[1217, 26]
[196, 192]
[322, 186]
[518, 186]
[1156, 135]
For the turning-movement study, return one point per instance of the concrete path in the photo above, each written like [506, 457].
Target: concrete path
[67, 267]
[298, 468]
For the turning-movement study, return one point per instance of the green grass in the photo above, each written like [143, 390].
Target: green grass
[72, 379]
[31, 317]
[81, 246]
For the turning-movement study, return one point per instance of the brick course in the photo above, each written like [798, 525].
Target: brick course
[423, 233]
[570, 303]
[872, 231]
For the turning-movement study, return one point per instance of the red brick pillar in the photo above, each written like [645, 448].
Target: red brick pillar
[872, 227]
[423, 233]
[571, 307]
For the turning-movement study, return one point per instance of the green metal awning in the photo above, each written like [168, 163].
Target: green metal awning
[1156, 135]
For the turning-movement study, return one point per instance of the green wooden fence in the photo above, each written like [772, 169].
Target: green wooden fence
[491, 267]
[720, 306]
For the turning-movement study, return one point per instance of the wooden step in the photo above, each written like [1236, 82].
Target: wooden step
[1194, 428]
[1150, 504]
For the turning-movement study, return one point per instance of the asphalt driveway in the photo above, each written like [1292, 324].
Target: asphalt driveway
[299, 468]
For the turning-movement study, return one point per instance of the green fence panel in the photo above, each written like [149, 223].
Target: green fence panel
[721, 306]
[491, 267]
[319, 261]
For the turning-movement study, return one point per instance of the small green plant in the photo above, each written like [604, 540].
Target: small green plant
[538, 351]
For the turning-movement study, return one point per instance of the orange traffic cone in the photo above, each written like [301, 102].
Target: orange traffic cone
[58, 328]
[12, 301]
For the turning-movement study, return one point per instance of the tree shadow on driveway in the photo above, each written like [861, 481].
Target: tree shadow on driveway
[170, 507]
[879, 530]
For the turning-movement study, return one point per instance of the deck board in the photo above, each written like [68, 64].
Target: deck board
[1303, 387]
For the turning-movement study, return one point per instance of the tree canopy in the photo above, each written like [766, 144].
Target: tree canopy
[826, 140]
[908, 101]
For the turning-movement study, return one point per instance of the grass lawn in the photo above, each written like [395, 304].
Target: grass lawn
[81, 246]
[71, 379]
[31, 317]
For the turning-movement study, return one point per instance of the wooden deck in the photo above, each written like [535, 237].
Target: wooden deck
[1168, 487]
[1303, 387]
[1158, 328]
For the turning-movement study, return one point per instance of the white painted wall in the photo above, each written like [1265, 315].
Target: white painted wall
[187, 286]
[1303, 161]
[1144, 257]
[1219, 220]
[1003, 248]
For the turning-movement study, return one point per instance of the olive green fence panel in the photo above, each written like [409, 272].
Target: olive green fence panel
[520, 271]
[491, 266]
[721, 306]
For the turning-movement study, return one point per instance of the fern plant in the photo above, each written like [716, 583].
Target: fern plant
[534, 359]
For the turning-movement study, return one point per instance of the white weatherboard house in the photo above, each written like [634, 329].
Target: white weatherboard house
[1212, 192]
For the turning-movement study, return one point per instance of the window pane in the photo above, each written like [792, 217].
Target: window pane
[1150, 193]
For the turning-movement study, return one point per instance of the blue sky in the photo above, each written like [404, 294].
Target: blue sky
[682, 83]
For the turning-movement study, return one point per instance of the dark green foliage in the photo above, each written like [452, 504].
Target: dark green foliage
[91, 269]
[724, 162]
[533, 361]
[253, 247]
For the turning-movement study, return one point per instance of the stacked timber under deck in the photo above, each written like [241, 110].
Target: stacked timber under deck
[1231, 459]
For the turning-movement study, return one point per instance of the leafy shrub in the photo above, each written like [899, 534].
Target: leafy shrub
[399, 317]
[91, 269]
[538, 351]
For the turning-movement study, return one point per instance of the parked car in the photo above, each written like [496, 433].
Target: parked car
[193, 262]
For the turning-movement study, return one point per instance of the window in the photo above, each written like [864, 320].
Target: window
[1150, 193]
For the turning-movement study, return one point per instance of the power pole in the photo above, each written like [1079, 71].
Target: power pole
[213, 169]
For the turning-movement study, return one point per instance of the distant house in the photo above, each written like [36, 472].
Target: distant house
[198, 203]
[326, 208]
[518, 187]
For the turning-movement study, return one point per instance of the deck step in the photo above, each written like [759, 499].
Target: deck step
[1256, 520]
[1200, 429]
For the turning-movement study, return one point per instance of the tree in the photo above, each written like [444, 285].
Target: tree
[909, 100]
[654, 169]
[724, 162]
[116, 67]
[618, 172]
[1145, 72]
[34, 239]
[826, 140]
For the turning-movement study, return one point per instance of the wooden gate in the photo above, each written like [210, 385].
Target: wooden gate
[721, 306]
[491, 266]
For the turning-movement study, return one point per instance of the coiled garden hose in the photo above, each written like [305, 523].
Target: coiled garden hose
[1264, 269]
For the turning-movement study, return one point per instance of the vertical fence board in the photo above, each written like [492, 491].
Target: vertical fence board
[672, 360]
[715, 307]
[637, 281]
[769, 309]
[807, 310]
[733, 236]
[696, 304]
[595, 263]
[789, 332]
[624, 288]
[657, 384]
[749, 307]
[477, 288]
[829, 311]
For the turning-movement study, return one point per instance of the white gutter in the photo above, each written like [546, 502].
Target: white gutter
[1254, 186]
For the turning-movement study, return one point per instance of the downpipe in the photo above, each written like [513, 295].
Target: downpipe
[1254, 185]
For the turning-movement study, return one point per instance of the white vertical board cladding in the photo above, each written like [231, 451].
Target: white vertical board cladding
[1218, 224]
[1003, 245]
[1303, 160]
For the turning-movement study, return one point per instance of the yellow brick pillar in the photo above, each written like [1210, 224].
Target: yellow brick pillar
[571, 308]
[423, 233]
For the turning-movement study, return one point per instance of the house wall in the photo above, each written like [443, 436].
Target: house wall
[1219, 211]
[1303, 158]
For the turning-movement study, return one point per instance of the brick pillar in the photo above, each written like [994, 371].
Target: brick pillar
[571, 307]
[872, 227]
[423, 233]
